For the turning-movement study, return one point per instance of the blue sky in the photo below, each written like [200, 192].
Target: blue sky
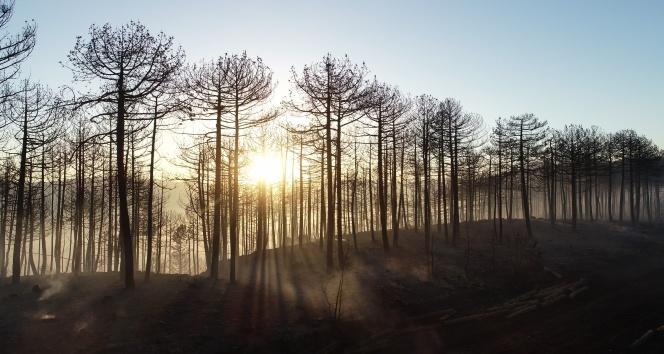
[588, 62]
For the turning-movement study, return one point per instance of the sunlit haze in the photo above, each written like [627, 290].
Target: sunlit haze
[264, 167]
[352, 176]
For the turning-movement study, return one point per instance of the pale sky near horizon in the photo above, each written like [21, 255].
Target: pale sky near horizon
[585, 62]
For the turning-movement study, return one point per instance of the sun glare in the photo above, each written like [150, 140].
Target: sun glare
[264, 167]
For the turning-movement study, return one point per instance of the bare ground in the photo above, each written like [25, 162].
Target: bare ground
[596, 290]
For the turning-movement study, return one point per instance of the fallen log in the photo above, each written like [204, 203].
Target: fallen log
[576, 292]
[474, 317]
[522, 310]
[553, 272]
[527, 302]
[552, 300]
[431, 315]
[637, 343]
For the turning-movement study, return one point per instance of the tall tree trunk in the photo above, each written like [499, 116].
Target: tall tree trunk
[235, 192]
[31, 221]
[3, 223]
[121, 173]
[427, 195]
[340, 250]
[393, 193]
[622, 184]
[18, 235]
[382, 198]
[150, 227]
[91, 222]
[301, 190]
[42, 213]
[321, 219]
[216, 223]
[111, 217]
[573, 183]
[371, 200]
[354, 198]
[330, 186]
[524, 184]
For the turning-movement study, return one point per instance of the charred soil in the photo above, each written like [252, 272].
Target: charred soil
[594, 290]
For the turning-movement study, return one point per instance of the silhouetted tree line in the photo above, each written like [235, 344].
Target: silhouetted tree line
[82, 189]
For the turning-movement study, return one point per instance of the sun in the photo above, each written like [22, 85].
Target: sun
[264, 167]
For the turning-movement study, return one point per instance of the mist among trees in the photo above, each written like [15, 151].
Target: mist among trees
[152, 163]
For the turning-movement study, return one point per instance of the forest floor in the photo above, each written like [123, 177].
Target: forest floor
[596, 290]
